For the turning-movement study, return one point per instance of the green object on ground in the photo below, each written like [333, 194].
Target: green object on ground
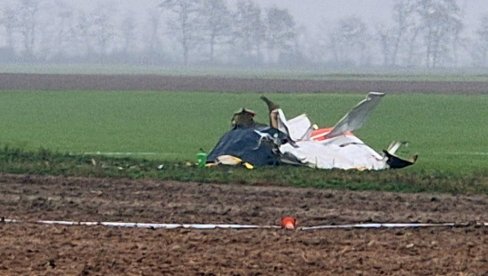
[201, 159]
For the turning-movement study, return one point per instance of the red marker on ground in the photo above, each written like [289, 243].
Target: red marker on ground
[288, 223]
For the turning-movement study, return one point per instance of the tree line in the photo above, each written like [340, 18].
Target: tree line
[421, 33]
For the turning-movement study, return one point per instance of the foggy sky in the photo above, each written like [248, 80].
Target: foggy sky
[315, 20]
[310, 13]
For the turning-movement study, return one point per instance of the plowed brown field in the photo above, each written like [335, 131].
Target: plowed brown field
[27, 248]
[229, 84]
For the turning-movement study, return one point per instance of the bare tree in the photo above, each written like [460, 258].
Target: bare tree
[413, 55]
[128, 33]
[480, 51]
[216, 27]
[404, 25]
[27, 20]
[63, 30]
[186, 24]
[440, 25]
[8, 20]
[347, 42]
[83, 30]
[102, 30]
[280, 32]
[399, 33]
[248, 31]
[153, 35]
[385, 38]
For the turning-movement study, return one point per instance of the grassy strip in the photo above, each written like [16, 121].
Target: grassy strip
[447, 131]
[46, 162]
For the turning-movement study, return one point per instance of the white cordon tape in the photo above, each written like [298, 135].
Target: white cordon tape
[382, 225]
[243, 226]
[161, 225]
[146, 225]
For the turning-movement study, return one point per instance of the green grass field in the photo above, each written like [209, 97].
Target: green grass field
[447, 131]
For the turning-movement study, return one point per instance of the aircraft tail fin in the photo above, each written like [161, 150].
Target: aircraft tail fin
[355, 118]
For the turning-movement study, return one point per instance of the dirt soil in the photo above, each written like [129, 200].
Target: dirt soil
[228, 84]
[28, 248]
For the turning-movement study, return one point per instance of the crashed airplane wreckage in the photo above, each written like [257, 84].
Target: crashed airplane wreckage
[297, 141]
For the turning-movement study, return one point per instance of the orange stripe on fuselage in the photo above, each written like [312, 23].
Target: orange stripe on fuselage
[319, 134]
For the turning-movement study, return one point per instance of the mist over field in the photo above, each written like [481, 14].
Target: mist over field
[357, 34]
